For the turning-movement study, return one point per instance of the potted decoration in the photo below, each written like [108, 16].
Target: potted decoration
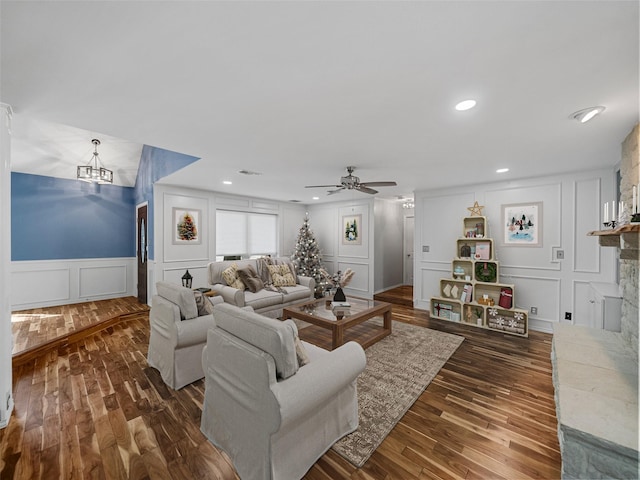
[338, 280]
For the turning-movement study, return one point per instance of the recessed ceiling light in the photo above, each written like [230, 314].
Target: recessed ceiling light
[587, 114]
[465, 105]
[227, 182]
[502, 170]
[316, 198]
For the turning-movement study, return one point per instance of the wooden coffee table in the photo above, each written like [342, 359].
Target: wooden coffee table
[318, 313]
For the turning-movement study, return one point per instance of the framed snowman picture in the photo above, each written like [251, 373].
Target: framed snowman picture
[352, 229]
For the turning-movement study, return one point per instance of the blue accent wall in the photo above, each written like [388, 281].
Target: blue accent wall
[54, 218]
[155, 163]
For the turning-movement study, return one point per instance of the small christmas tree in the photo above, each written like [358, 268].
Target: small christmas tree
[306, 257]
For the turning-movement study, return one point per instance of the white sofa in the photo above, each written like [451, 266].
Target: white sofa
[265, 301]
[178, 334]
[274, 418]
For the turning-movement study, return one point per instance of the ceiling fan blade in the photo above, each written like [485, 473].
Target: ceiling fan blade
[364, 189]
[379, 184]
[323, 186]
[331, 192]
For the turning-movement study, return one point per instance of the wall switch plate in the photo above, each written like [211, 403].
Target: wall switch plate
[560, 254]
[425, 248]
[534, 310]
[567, 315]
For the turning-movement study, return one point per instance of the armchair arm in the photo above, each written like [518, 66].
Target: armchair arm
[163, 318]
[230, 295]
[308, 282]
[319, 381]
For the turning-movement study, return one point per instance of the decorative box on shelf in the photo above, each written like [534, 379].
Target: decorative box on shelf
[512, 321]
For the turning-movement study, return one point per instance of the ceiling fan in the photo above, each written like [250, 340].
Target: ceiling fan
[351, 182]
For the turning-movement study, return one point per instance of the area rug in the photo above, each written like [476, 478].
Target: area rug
[399, 368]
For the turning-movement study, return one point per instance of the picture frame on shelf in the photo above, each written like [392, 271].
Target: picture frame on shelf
[522, 224]
[483, 251]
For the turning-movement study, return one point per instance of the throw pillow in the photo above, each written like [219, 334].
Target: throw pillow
[230, 276]
[301, 352]
[282, 276]
[205, 307]
[250, 278]
[287, 261]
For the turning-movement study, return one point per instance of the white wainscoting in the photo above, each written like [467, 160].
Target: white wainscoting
[359, 284]
[47, 283]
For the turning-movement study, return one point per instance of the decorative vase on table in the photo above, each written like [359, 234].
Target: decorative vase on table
[339, 296]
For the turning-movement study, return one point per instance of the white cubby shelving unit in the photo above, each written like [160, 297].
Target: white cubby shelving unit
[475, 268]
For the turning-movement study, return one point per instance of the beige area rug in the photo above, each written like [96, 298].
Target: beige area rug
[399, 368]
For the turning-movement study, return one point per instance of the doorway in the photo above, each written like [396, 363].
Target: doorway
[141, 249]
[408, 250]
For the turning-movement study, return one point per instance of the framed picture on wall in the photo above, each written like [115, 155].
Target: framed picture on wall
[522, 224]
[352, 229]
[186, 226]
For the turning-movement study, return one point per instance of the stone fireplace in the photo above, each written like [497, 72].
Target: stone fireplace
[595, 372]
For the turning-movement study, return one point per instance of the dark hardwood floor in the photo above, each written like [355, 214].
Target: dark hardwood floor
[93, 408]
[402, 295]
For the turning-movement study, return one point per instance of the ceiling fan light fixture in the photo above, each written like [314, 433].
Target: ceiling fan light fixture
[92, 172]
[586, 114]
[465, 105]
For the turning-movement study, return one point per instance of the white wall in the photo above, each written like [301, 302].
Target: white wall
[571, 207]
[171, 260]
[45, 283]
[388, 253]
[377, 261]
[6, 339]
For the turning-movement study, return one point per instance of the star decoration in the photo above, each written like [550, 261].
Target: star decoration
[476, 210]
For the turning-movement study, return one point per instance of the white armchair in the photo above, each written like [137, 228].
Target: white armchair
[272, 417]
[178, 334]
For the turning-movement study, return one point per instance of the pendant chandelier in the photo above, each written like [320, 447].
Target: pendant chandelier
[91, 172]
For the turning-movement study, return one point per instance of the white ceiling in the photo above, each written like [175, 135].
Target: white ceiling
[300, 90]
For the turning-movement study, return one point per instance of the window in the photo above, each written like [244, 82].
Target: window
[245, 234]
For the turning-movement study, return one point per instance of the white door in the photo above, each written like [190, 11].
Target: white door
[408, 250]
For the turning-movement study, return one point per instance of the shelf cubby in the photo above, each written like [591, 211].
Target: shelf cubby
[452, 289]
[474, 226]
[473, 244]
[442, 308]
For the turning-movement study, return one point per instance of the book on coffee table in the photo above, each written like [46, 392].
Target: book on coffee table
[340, 304]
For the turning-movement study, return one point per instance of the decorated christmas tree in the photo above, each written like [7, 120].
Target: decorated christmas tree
[306, 257]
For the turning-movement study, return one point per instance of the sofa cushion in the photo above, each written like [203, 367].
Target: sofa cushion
[299, 292]
[282, 275]
[216, 269]
[274, 337]
[250, 278]
[232, 278]
[183, 297]
[262, 299]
